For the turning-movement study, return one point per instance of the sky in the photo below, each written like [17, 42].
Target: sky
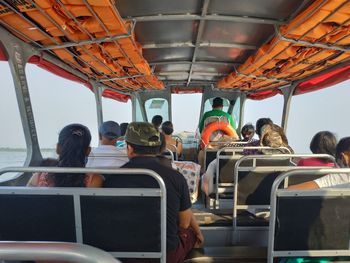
[57, 102]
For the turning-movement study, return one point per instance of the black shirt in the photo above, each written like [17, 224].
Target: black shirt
[178, 198]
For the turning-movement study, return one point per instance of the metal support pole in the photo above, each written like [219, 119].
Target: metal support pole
[287, 94]
[98, 90]
[18, 55]
[243, 99]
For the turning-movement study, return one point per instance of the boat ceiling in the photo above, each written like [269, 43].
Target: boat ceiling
[252, 46]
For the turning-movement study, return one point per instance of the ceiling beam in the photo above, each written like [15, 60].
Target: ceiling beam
[205, 7]
[186, 17]
[176, 62]
[201, 44]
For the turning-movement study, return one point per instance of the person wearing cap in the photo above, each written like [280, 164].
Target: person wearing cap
[107, 154]
[143, 145]
[218, 104]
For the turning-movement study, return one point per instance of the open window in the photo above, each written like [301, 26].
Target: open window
[157, 106]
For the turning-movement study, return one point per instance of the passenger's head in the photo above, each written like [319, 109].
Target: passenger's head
[109, 132]
[274, 136]
[73, 147]
[260, 123]
[342, 152]
[123, 127]
[323, 142]
[218, 103]
[167, 128]
[248, 132]
[157, 121]
[142, 138]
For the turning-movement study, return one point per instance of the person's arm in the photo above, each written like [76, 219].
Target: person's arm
[201, 123]
[306, 185]
[94, 180]
[34, 180]
[179, 148]
[186, 220]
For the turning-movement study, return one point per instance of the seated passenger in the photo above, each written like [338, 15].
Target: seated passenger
[171, 144]
[323, 142]
[163, 154]
[107, 154]
[218, 105]
[183, 233]
[157, 121]
[273, 136]
[207, 182]
[72, 148]
[121, 140]
[342, 155]
[247, 132]
[260, 123]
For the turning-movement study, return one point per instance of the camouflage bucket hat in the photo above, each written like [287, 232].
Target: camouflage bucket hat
[142, 134]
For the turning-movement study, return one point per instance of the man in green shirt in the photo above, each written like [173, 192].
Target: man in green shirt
[218, 104]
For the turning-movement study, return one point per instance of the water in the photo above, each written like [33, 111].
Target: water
[17, 157]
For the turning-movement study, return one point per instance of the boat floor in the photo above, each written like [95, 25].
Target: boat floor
[228, 254]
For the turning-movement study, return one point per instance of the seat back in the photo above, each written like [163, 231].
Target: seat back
[309, 223]
[109, 219]
[227, 158]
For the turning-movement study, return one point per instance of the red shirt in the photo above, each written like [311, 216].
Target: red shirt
[315, 162]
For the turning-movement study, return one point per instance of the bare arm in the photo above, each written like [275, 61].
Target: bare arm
[186, 220]
[94, 181]
[306, 185]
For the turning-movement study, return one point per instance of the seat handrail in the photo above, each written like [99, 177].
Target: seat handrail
[254, 157]
[55, 251]
[275, 191]
[171, 154]
[107, 171]
[267, 157]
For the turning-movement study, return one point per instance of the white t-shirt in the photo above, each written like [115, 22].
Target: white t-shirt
[107, 156]
[208, 178]
[331, 180]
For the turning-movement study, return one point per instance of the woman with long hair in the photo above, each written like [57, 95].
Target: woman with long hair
[73, 147]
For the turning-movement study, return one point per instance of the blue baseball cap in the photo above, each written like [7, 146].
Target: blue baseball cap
[110, 130]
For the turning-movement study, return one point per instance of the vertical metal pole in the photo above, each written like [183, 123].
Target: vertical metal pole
[170, 112]
[287, 94]
[133, 106]
[17, 59]
[243, 99]
[98, 90]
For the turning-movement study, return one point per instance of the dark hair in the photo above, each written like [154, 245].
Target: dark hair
[73, 142]
[123, 128]
[323, 142]
[48, 162]
[260, 123]
[248, 129]
[157, 120]
[145, 150]
[167, 128]
[342, 146]
[218, 102]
